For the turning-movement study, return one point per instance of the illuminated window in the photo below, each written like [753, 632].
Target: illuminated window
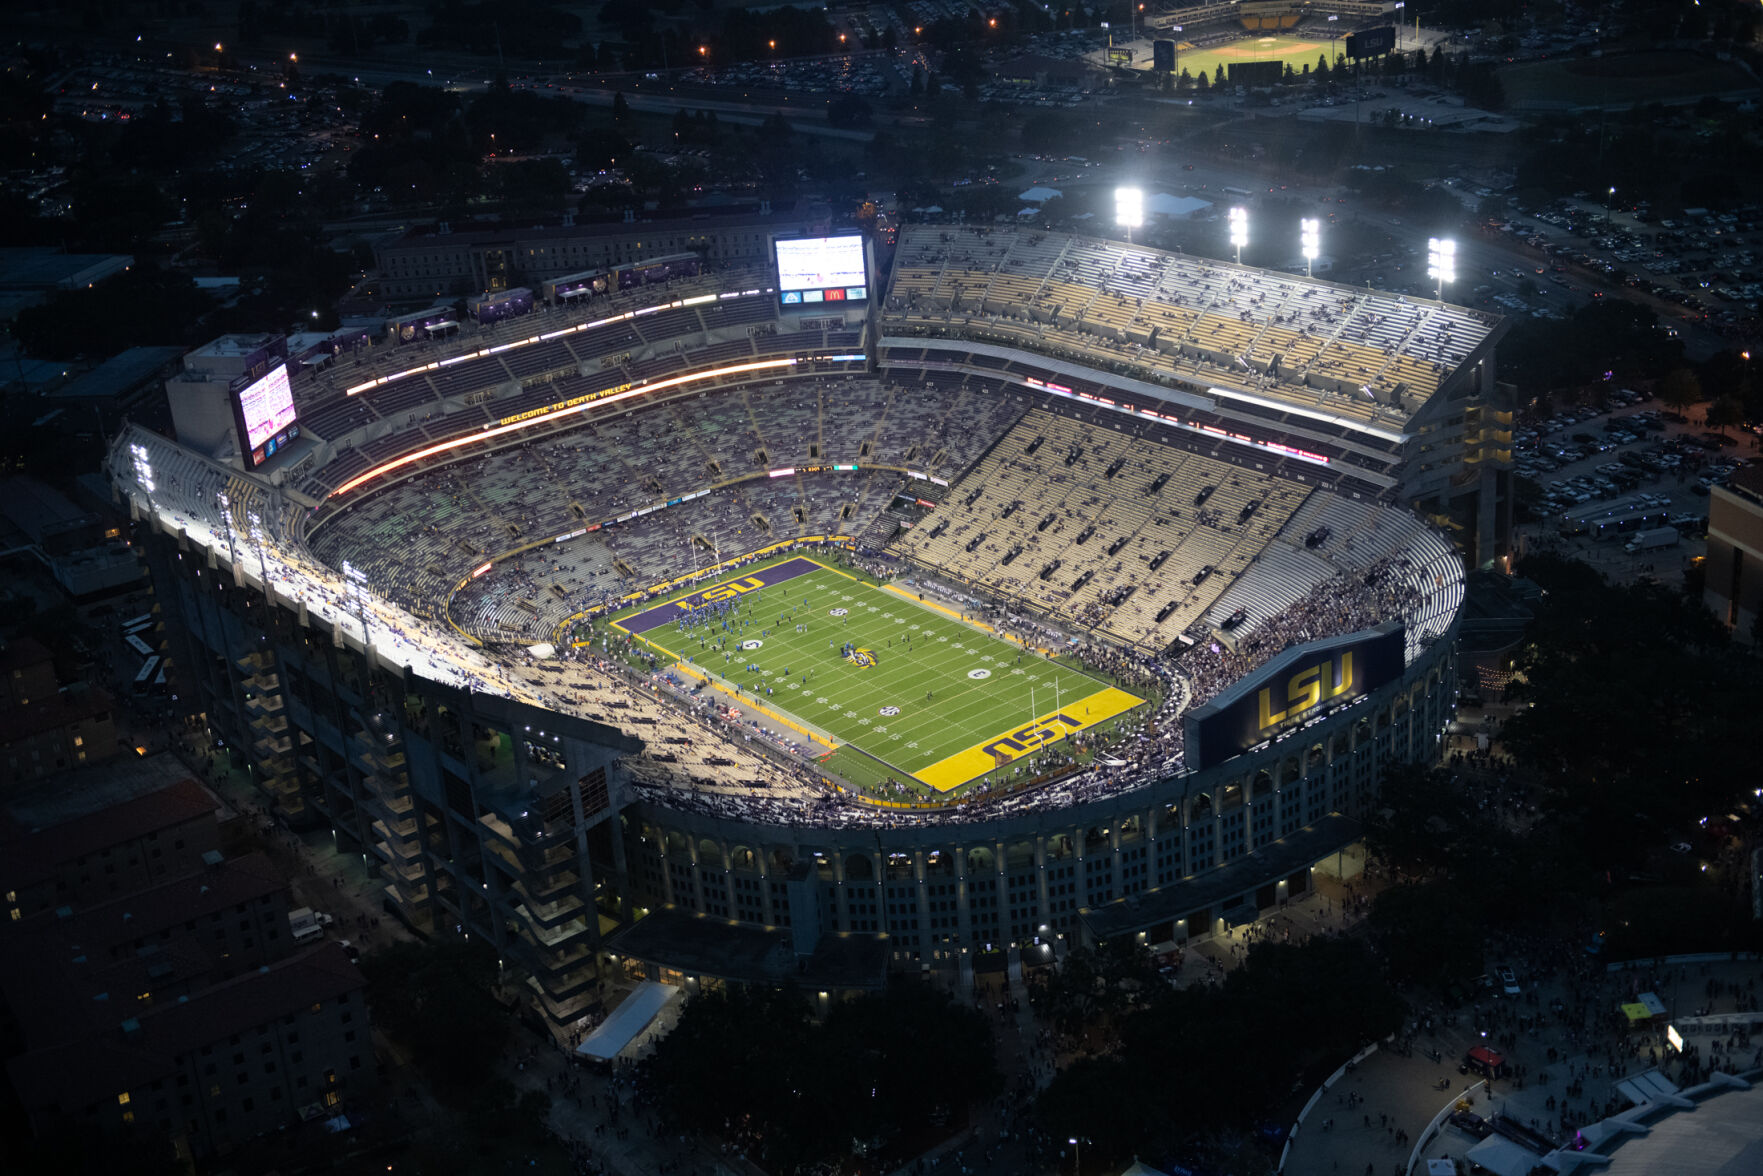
[122, 1100]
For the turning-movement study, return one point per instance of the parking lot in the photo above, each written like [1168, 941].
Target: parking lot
[1702, 261]
[1629, 459]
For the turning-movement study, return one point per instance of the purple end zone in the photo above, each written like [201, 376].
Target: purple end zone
[663, 614]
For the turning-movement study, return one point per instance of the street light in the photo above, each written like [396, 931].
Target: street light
[1311, 236]
[1607, 197]
[1129, 209]
[1239, 230]
[1441, 262]
[1077, 1142]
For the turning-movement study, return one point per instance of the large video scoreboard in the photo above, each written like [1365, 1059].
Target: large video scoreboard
[815, 271]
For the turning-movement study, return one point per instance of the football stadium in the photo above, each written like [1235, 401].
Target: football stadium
[772, 610]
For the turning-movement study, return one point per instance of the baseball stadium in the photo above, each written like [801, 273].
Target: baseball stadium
[1208, 37]
[777, 611]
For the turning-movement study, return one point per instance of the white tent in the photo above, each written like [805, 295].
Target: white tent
[627, 1021]
[1163, 204]
[1038, 195]
[1503, 1157]
[1140, 1168]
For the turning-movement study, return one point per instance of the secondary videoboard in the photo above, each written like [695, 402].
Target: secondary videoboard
[266, 415]
[813, 271]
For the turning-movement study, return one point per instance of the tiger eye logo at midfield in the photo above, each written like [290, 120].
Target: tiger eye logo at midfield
[862, 658]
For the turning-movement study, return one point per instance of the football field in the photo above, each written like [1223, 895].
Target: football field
[911, 684]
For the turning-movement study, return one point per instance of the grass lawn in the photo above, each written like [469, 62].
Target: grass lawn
[1295, 51]
[891, 685]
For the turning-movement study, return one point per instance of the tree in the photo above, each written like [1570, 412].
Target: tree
[1322, 68]
[1218, 78]
[601, 148]
[1202, 1059]
[877, 1064]
[1622, 784]
[621, 109]
[1724, 413]
[437, 1000]
[1680, 389]
[847, 110]
[1429, 932]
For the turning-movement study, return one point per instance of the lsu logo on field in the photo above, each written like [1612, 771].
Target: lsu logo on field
[861, 658]
[1019, 743]
[726, 591]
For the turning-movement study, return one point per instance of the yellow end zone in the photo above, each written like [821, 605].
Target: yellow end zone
[958, 769]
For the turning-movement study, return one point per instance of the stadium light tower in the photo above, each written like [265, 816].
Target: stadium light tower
[355, 588]
[1239, 230]
[1441, 262]
[1129, 209]
[1311, 235]
[142, 460]
[226, 520]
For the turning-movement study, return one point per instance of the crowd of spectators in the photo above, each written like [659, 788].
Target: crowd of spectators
[1365, 352]
[704, 755]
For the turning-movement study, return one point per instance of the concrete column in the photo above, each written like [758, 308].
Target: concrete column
[963, 907]
[1115, 888]
[763, 861]
[728, 878]
[666, 868]
[1043, 906]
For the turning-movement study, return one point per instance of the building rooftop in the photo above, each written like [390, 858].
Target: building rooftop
[1747, 482]
[120, 1047]
[29, 854]
[88, 790]
[39, 509]
[427, 236]
[22, 652]
[60, 963]
[47, 714]
[120, 374]
[40, 268]
[233, 346]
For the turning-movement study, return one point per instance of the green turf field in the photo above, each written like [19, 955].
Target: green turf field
[1296, 51]
[924, 695]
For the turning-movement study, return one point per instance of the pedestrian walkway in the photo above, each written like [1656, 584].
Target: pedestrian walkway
[1565, 1045]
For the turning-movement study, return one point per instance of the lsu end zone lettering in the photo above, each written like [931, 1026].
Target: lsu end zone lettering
[661, 614]
[1296, 687]
[956, 770]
